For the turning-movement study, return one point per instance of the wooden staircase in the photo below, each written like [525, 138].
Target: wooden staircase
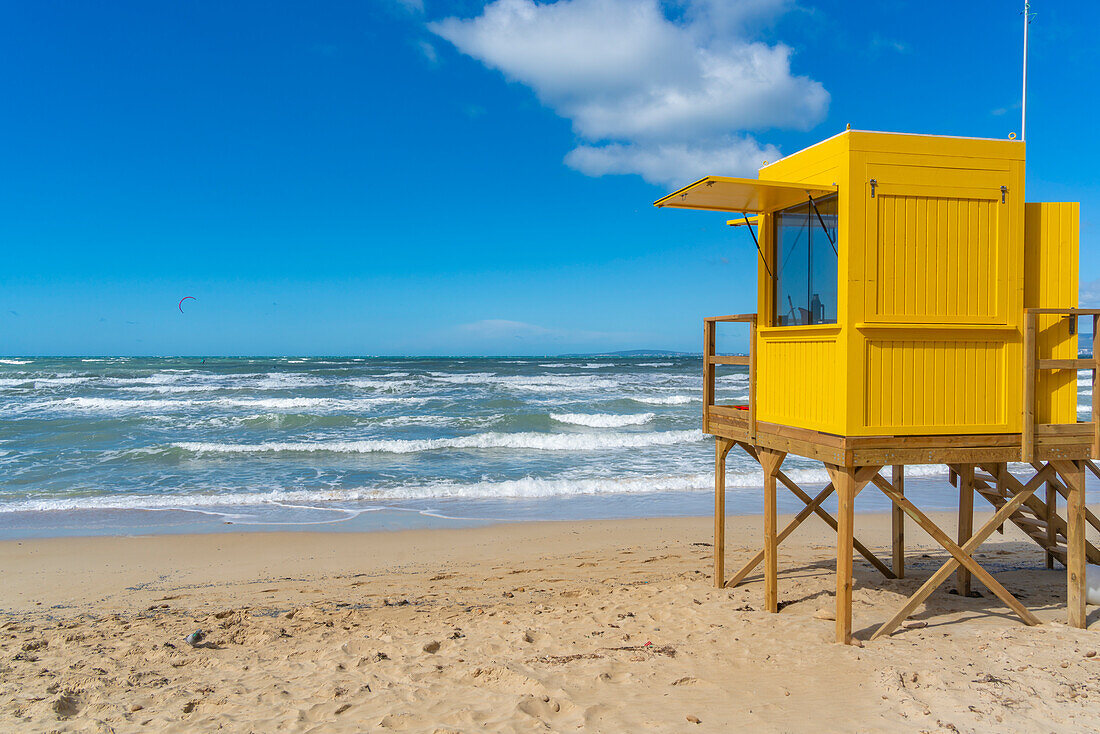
[1038, 519]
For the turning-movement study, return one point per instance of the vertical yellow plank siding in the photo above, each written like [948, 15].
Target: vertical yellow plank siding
[1051, 252]
[933, 341]
[936, 259]
[797, 380]
[915, 385]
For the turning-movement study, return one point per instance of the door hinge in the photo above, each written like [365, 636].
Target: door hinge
[874, 183]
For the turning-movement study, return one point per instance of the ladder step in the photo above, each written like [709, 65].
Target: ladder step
[1033, 513]
[989, 478]
[1031, 522]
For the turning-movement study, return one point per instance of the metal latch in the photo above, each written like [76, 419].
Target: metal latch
[1004, 190]
[874, 183]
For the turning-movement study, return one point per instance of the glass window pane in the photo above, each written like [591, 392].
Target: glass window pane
[806, 276]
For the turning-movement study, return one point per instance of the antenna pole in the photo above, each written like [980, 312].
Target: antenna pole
[1023, 106]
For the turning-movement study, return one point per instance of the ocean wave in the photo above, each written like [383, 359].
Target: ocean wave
[655, 364]
[602, 420]
[15, 361]
[138, 405]
[524, 488]
[663, 399]
[527, 487]
[530, 383]
[534, 441]
[383, 385]
[173, 389]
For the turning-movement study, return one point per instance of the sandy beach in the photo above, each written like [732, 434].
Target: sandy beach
[596, 626]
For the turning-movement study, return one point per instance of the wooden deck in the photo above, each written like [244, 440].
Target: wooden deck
[1061, 441]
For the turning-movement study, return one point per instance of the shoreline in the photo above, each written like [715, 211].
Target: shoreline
[599, 625]
[931, 493]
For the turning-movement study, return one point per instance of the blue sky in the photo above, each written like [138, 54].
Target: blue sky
[384, 177]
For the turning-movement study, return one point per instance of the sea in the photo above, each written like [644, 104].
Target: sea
[128, 446]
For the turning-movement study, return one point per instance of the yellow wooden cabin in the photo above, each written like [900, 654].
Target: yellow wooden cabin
[912, 309]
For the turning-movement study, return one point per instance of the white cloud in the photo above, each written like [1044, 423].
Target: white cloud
[671, 164]
[428, 50]
[646, 92]
[413, 6]
[1090, 294]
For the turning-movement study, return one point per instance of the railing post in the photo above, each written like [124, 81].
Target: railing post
[1027, 447]
[708, 371]
[1094, 451]
[752, 381]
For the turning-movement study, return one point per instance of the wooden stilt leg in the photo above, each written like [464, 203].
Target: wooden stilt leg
[845, 489]
[898, 523]
[1052, 509]
[966, 522]
[771, 461]
[786, 481]
[1073, 476]
[721, 449]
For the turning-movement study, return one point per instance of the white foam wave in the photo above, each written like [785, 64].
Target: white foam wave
[15, 361]
[602, 420]
[527, 487]
[535, 441]
[172, 389]
[655, 364]
[384, 385]
[530, 383]
[663, 399]
[140, 405]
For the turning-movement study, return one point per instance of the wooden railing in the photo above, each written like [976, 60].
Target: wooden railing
[1032, 365]
[710, 359]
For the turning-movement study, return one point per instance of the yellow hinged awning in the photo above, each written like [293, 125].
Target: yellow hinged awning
[749, 195]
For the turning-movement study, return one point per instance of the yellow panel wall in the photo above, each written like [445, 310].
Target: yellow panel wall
[935, 288]
[915, 383]
[1051, 252]
[936, 259]
[799, 378]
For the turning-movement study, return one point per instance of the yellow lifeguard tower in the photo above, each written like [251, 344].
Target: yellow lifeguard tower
[912, 309]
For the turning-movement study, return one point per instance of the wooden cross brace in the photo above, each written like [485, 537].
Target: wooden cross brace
[813, 507]
[961, 556]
